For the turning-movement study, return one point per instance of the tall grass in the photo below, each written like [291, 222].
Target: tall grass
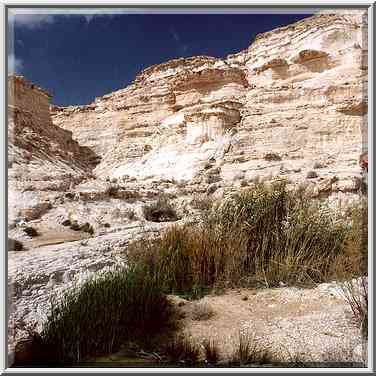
[260, 236]
[103, 314]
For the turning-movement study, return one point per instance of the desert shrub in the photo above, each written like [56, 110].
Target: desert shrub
[355, 293]
[15, 245]
[357, 236]
[66, 222]
[272, 157]
[130, 214]
[202, 311]
[248, 352]
[202, 202]
[87, 227]
[112, 190]
[260, 236]
[317, 165]
[75, 226]
[160, 211]
[312, 174]
[211, 351]
[182, 350]
[102, 314]
[30, 231]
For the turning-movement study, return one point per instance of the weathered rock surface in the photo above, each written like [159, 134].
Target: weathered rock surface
[298, 91]
[41, 156]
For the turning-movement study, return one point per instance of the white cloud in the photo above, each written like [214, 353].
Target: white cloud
[175, 35]
[15, 64]
[39, 18]
[32, 21]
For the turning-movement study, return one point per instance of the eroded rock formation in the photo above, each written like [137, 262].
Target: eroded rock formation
[298, 91]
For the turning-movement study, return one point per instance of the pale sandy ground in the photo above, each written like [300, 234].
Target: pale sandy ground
[314, 325]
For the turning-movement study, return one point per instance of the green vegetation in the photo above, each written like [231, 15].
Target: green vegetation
[258, 237]
[211, 351]
[160, 211]
[103, 314]
[261, 236]
[182, 350]
[247, 352]
[15, 245]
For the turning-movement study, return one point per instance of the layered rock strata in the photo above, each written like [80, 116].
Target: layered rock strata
[41, 156]
[298, 92]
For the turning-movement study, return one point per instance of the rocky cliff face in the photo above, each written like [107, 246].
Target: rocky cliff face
[41, 156]
[39, 150]
[294, 101]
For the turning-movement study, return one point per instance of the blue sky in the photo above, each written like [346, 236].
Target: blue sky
[80, 57]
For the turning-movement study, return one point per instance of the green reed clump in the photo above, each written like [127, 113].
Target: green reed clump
[104, 313]
[263, 235]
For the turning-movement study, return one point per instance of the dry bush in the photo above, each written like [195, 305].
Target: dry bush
[272, 157]
[30, 231]
[182, 350]
[211, 351]
[355, 293]
[112, 190]
[202, 311]
[202, 202]
[263, 235]
[15, 245]
[160, 211]
[248, 352]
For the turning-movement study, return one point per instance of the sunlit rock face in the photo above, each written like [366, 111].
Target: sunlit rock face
[39, 152]
[298, 92]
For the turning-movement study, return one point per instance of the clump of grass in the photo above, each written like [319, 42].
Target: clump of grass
[112, 190]
[87, 227]
[262, 235]
[272, 157]
[66, 222]
[202, 311]
[104, 313]
[15, 245]
[248, 352]
[312, 174]
[30, 231]
[211, 351]
[202, 202]
[182, 349]
[355, 293]
[160, 211]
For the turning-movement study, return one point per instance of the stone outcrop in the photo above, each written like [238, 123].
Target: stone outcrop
[41, 156]
[298, 91]
[39, 151]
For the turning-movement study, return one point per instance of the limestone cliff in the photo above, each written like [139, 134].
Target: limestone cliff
[39, 151]
[294, 101]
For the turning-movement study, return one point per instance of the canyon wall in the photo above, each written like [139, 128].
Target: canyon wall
[294, 104]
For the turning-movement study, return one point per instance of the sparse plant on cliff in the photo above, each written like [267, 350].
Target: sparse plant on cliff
[160, 211]
[15, 245]
[112, 190]
[272, 157]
